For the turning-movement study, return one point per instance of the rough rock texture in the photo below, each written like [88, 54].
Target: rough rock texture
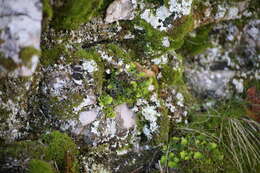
[20, 30]
[120, 10]
[121, 83]
[211, 83]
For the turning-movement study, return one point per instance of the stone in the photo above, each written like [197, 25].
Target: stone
[126, 115]
[210, 83]
[87, 117]
[120, 10]
[20, 30]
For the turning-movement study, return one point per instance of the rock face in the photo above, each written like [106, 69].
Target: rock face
[20, 31]
[211, 83]
[120, 10]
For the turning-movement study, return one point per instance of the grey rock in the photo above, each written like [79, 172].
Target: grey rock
[210, 83]
[20, 28]
[120, 10]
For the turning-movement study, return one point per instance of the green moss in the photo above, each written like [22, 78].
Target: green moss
[39, 166]
[148, 42]
[27, 53]
[7, 63]
[23, 150]
[73, 13]
[47, 12]
[174, 78]
[182, 27]
[53, 147]
[58, 146]
[51, 55]
[4, 114]
[198, 44]
[117, 52]
[164, 127]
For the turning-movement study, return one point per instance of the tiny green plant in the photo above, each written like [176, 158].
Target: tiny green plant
[191, 153]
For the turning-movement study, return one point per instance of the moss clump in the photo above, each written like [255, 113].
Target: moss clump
[23, 150]
[59, 144]
[39, 166]
[47, 12]
[182, 27]
[7, 63]
[73, 13]
[164, 127]
[198, 44]
[51, 55]
[26, 54]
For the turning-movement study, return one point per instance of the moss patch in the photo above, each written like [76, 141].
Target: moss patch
[58, 146]
[198, 44]
[47, 13]
[64, 109]
[7, 63]
[51, 55]
[39, 166]
[73, 13]
[182, 27]
[27, 53]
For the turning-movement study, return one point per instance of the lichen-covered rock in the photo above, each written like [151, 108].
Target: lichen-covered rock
[121, 83]
[20, 31]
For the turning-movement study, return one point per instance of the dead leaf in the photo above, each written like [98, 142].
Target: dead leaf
[253, 108]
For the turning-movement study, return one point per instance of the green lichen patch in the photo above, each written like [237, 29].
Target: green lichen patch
[39, 166]
[74, 13]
